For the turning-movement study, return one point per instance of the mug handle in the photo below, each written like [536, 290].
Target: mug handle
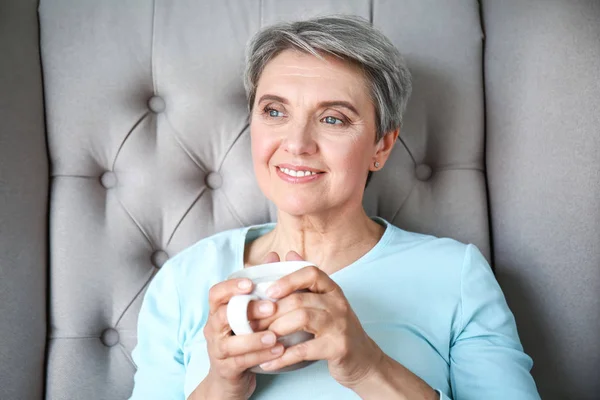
[237, 313]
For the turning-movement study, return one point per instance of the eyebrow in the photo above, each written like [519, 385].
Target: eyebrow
[332, 103]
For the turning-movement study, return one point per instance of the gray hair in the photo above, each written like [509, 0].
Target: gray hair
[349, 38]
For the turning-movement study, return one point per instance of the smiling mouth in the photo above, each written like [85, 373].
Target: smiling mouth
[297, 173]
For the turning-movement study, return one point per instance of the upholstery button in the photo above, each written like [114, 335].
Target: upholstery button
[108, 179]
[156, 104]
[214, 180]
[159, 257]
[423, 172]
[109, 337]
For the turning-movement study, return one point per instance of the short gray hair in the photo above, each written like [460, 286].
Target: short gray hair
[349, 38]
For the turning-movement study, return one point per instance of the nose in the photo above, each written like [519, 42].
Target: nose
[299, 140]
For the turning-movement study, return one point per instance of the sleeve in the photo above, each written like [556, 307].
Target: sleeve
[486, 357]
[158, 356]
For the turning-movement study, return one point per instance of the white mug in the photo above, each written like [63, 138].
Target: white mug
[264, 276]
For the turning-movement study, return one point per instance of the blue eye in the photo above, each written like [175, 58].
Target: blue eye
[275, 113]
[333, 121]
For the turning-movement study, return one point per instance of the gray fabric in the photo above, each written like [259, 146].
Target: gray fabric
[543, 99]
[149, 147]
[102, 63]
[23, 205]
[443, 126]
[86, 368]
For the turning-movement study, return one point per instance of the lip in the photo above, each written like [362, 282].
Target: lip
[298, 167]
[296, 179]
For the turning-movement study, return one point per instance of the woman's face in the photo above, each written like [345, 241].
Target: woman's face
[313, 133]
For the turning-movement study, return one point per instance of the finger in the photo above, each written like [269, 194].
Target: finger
[244, 361]
[222, 292]
[311, 350]
[289, 303]
[311, 278]
[256, 310]
[303, 319]
[293, 256]
[271, 258]
[217, 322]
[233, 346]
[261, 309]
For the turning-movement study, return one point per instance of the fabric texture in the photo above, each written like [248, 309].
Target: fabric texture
[431, 304]
[23, 205]
[542, 69]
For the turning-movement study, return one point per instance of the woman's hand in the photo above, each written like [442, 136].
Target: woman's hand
[325, 312]
[231, 356]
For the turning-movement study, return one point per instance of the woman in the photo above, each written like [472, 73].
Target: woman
[396, 315]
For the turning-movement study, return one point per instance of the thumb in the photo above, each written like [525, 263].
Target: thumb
[271, 257]
[293, 256]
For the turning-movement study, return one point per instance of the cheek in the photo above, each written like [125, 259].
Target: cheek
[263, 146]
[351, 158]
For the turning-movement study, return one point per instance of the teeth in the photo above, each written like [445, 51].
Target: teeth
[298, 174]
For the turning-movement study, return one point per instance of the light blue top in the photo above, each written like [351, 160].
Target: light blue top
[431, 304]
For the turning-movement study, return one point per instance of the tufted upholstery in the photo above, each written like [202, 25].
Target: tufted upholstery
[145, 150]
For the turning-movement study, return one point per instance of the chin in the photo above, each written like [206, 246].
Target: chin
[298, 207]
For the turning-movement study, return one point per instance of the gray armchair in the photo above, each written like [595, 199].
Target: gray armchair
[124, 139]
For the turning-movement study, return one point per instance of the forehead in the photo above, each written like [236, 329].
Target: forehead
[330, 76]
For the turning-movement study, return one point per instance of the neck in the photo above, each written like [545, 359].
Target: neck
[331, 242]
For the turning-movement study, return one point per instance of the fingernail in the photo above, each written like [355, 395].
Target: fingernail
[277, 349]
[273, 290]
[269, 338]
[245, 284]
[266, 365]
[266, 308]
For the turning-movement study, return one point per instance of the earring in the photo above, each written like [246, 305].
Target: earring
[376, 164]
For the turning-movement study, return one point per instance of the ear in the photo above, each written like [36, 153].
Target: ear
[384, 149]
